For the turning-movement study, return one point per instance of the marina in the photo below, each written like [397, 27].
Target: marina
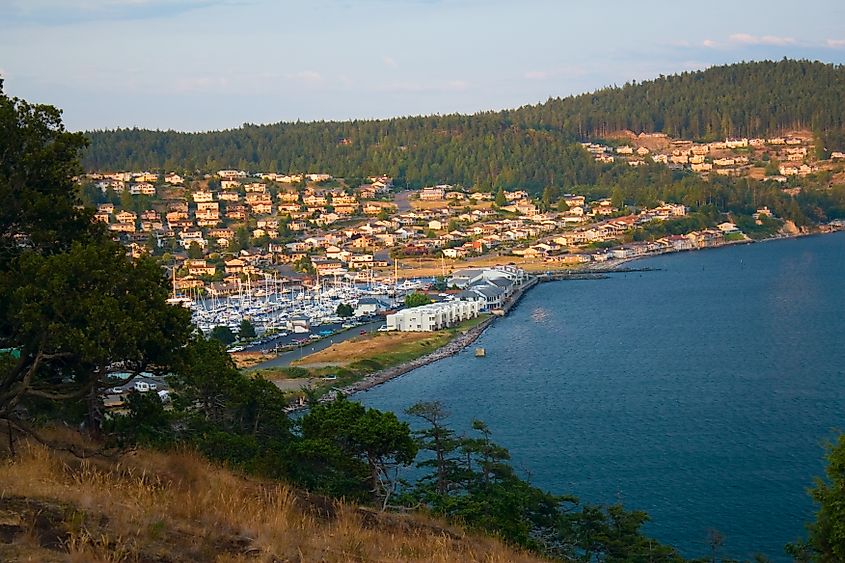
[278, 307]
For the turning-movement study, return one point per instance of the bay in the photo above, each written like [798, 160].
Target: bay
[702, 393]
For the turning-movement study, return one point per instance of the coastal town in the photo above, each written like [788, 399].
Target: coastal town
[304, 256]
[459, 293]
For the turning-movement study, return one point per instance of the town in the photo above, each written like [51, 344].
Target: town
[289, 253]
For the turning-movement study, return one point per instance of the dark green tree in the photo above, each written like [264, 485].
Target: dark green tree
[344, 310]
[826, 539]
[222, 334]
[416, 299]
[195, 251]
[356, 449]
[500, 199]
[246, 330]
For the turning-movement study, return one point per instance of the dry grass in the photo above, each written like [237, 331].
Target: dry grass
[368, 346]
[248, 359]
[150, 506]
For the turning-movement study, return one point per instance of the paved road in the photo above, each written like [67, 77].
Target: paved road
[403, 201]
[286, 358]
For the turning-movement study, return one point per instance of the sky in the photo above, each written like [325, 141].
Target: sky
[197, 65]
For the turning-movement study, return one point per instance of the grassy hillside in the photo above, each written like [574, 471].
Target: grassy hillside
[151, 506]
[531, 146]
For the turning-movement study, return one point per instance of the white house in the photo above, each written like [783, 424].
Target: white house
[435, 316]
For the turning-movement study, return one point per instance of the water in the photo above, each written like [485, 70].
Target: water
[702, 393]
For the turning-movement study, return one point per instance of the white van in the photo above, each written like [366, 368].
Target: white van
[142, 386]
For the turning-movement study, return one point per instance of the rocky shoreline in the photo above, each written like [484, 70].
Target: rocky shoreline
[450, 349]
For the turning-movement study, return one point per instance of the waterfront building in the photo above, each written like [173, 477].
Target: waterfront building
[435, 316]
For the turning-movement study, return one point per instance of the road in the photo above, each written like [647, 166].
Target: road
[403, 201]
[286, 358]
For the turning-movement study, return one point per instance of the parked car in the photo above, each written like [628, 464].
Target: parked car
[141, 386]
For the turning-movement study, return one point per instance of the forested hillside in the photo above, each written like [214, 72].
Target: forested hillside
[532, 146]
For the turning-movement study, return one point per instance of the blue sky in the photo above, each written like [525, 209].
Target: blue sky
[211, 64]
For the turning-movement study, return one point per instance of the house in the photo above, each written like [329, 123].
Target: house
[200, 268]
[262, 207]
[435, 316]
[126, 217]
[202, 197]
[360, 261]
[455, 252]
[143, 188]
[432, 193]
[231, 174]
[234, 266]
[144, 177]
[174, 179]
[372, 305]
[727, 228]
[327, 266]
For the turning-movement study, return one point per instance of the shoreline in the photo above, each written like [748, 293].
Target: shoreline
[462, 341]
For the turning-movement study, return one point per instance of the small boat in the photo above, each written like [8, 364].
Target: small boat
[480, 352]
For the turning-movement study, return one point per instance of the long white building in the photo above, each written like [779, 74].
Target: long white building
[435, 316]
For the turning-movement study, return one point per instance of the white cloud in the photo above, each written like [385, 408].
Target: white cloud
[305, 77]
[710, 44]
[389, 61]
[748, 39]
[835, 43]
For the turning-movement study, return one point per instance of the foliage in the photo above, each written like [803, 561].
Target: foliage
[195, 251]
[222, 334]
[304, 265]
[657, 228]
[355, 450]
[246, 330]
[440, 283]
[344, 310]
[826, 540]
[228, 416]
[75, 305]
[416, 299]
[146, 423]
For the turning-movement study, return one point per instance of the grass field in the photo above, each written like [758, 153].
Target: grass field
[347, 362]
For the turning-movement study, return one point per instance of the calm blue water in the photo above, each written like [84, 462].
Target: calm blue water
[701, 393]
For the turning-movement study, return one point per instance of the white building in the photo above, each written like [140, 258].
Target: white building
[435, 316]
